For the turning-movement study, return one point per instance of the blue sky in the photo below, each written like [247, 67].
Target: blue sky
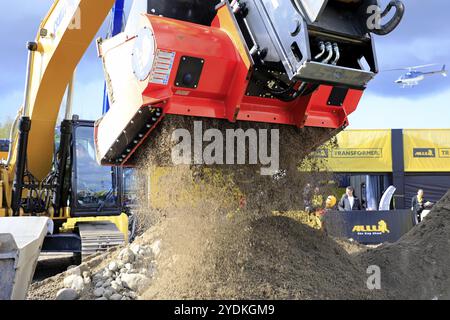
[422, 38]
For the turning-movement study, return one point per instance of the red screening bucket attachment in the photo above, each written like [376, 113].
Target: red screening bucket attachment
[170, 66]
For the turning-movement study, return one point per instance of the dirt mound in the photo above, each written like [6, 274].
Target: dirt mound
[265, 258]
[418, 265]
[211, 256]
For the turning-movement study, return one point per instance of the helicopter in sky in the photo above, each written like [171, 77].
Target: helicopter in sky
[413, 77]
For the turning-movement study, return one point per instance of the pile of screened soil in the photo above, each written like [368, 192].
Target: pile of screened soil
[210, 256]
[270, 257]
[275, 257]
[418, 265]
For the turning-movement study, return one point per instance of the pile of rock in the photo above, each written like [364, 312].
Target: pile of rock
[123, 278]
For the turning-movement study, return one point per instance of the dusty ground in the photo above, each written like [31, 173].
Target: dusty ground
[46, 289]
[418, 265]
[279, 258]
[220, 240]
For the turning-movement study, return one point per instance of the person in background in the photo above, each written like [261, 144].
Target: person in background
[349, 201]
[307, 191]
[330, 203]
[418, 204]
[317, 200]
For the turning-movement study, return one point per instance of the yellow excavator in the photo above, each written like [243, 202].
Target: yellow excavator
[301, 63]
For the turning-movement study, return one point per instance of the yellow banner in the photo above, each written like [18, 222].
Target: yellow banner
[427, 150]
[356, 151]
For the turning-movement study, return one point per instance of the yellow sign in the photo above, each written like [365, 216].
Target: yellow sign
[444, 153]
[357, 151]
[427, 150]
[381, 228]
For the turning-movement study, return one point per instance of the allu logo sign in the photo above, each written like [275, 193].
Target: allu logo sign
[381, 228]
[424, 153]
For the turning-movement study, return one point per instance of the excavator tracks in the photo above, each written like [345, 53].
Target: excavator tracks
[99, 236]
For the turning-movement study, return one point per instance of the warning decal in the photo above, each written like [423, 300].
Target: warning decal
[162, 67]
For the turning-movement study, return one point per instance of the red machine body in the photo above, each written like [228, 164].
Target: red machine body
[217, 79]
[221, 92]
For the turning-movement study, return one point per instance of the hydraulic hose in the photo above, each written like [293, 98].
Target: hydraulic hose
[12, 135]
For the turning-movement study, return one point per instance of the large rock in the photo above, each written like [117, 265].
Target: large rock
[78, 284]
[116, 297]
[108, 293]
[116, 286]
[67, 282]
[97, 277]
[135, 248]
[135, 282]
[112, 266]
[78, 270]
[74, 282]
[99, 292]
[107, 273]
[127, 256]
[67, 294]
[107, 283]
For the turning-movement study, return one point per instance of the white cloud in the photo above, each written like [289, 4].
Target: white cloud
[427, 112]
[421, 50]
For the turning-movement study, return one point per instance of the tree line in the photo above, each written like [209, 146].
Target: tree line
[5, 128]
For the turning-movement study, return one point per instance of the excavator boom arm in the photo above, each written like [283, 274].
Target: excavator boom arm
[63, 37]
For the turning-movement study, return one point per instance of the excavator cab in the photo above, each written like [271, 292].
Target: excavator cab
[93, 195]
[96, 190]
